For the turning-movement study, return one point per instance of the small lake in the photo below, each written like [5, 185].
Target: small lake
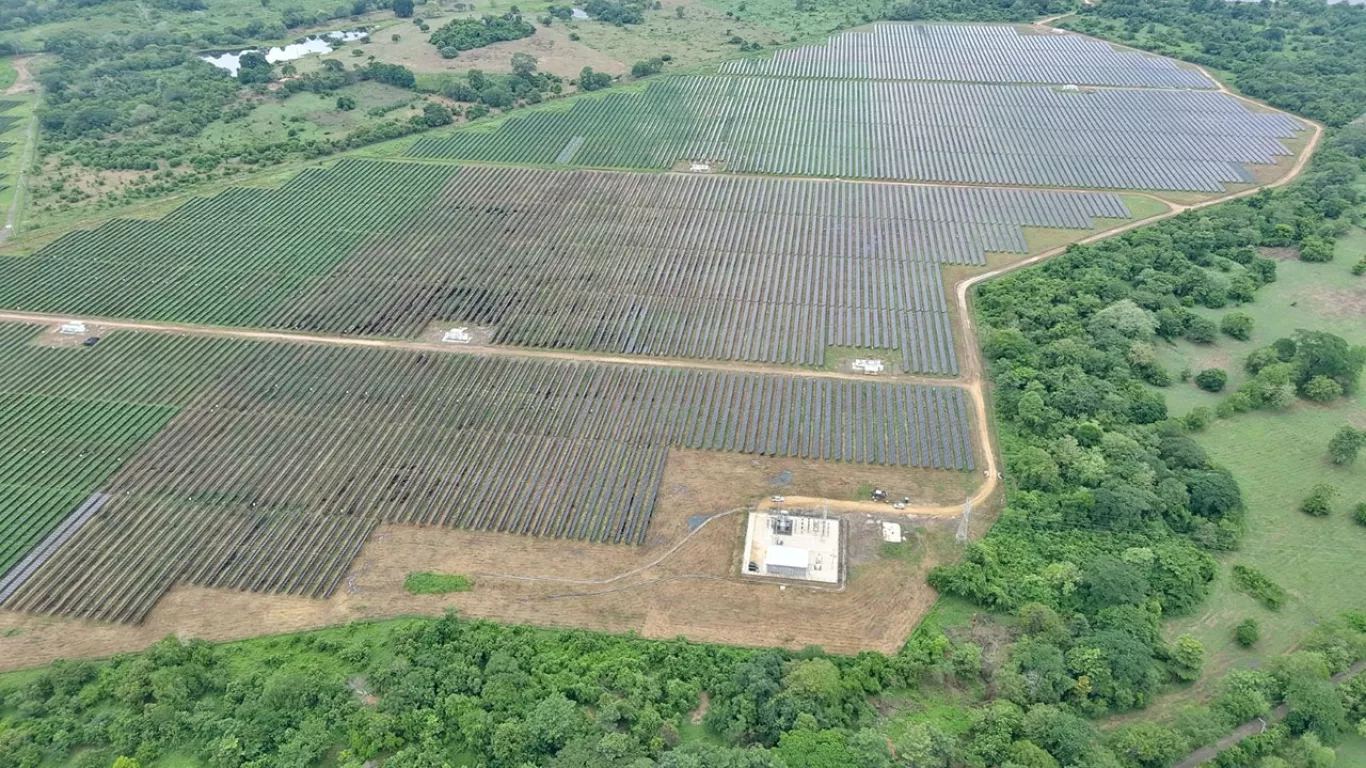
[297, 50]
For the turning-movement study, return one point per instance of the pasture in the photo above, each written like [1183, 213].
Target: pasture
[1277, 458]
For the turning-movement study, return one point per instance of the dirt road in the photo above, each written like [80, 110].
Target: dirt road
[23, 81]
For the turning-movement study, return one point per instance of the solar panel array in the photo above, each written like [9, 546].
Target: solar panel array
[973, 54]
[275, 473]
[913, 131]
[716, 267]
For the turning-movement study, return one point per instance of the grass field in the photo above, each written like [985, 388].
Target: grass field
[1325, 297]
[1277, 457]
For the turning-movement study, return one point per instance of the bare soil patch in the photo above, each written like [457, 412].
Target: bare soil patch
[1280, 254]
[53, 336]
[1341, 303]
[696, 591]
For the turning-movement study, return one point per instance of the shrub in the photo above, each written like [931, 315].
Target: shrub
[1202, 330]
[1237, 325]
[1247, 633]
[1345, 445]
[1211, 379]
[1322, 389]
[1360, 514]
[1198, 418]
[1320, 501]
[1251, 581]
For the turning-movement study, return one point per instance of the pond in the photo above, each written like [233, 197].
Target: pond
[297, 50]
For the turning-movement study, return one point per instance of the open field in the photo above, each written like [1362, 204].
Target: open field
[1277, 457]
[1325, 297]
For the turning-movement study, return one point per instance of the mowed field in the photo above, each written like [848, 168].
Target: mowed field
[1278, 458]
[285, 437]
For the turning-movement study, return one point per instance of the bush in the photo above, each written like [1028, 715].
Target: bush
[1320, 501]
[1247, 633]
[1251, 581]
[1198, 418]
[1322, 389]
[593, 81]
[1211, 379]
[1360, 514]
[1237, 325]
[1345, 445]
[647, 68]
[1202, 330]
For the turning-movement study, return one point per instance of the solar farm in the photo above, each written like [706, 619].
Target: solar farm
[269, 399]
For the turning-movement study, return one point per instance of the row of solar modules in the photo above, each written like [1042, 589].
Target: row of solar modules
[973, 53]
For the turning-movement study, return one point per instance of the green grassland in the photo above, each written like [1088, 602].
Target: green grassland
[428, 583]
[1277, 457]
[314, 115]
[1325, 297]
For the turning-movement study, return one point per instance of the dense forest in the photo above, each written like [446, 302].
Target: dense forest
[1303, 56]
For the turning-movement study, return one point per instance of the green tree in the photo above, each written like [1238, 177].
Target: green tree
[1212, 379]
[1359, 514]
[1149, 745]
[1322, 389]
[1247, 633]
[1345, 445]
[252, 67]
[1237, 325]
[403, 8]
[1319, 503]
[434, 114]
[346, 103]
[1187, 658]
[1313, 706]
[1202, 330]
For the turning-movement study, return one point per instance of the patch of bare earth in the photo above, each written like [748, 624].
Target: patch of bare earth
[1280, 254]
[54, 337]
[1340, 303]
[695, 591]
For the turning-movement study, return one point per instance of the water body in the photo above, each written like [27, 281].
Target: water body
[319, 44]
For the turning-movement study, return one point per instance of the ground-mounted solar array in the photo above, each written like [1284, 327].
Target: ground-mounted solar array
[973, 53]
[673, 265]
[280, 458]
[912, 131]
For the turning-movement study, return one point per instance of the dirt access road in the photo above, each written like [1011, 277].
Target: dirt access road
[23, 81]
